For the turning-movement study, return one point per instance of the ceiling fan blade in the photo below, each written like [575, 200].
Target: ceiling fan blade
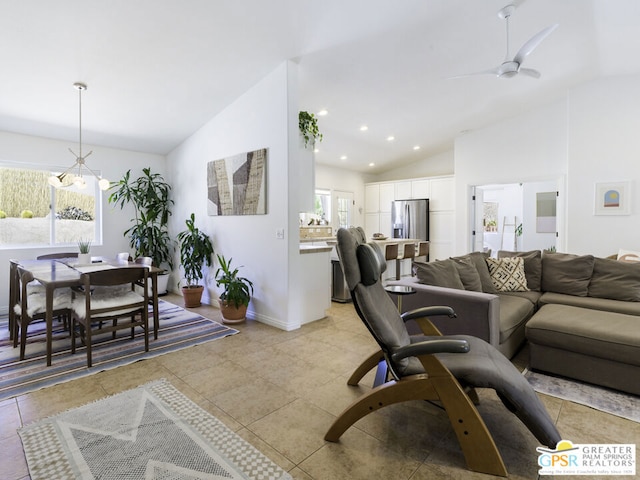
[529, 72]
[491, 71]
[532, 43]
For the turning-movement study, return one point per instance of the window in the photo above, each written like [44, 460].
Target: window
[323, 205]
[32, 213]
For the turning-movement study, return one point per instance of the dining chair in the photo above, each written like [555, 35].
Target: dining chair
[109, 295]
[123, 257]
[31, 306]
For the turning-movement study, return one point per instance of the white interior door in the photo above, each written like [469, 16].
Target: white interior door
[342, 209]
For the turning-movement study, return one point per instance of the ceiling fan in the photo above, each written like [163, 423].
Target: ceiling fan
[510, 67]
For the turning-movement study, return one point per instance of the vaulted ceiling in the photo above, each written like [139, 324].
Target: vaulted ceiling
[157, 70]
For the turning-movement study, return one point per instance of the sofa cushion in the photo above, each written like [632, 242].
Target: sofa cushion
[615, 280]
[468, 273]
[514, 312]
[593, 303]
[479, 260]
[442, 273]
[532, 266]
[567, 273]
[613, 336]
[507, 274]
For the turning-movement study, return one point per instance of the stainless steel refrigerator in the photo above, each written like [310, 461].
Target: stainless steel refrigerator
[410, 219]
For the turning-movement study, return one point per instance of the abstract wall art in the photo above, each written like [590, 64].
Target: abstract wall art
[236, 185]
[612, 198]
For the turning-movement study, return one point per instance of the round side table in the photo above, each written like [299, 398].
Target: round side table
[400, 291]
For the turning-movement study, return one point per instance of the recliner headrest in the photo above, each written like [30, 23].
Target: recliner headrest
[371, 262]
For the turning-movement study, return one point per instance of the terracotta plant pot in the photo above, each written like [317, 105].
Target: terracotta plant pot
[231, 313]
[192, 296]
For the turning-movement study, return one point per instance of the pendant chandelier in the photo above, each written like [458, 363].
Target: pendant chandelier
[77, 178]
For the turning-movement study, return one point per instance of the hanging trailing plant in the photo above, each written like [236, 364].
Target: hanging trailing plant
[308, 124]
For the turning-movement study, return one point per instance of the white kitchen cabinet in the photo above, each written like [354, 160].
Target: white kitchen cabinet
[372, 198]
[402, 190]
[420, 188]
[387, 196]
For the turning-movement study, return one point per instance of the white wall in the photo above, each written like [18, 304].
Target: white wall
[433, 166]
[604, 146]
[110, 162]
[531, 147]
[264, 117]
[591, 136]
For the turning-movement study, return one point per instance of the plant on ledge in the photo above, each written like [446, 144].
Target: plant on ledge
[308, 125]
[235, 298]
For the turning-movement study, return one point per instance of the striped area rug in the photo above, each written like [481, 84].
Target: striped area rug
[178, 329]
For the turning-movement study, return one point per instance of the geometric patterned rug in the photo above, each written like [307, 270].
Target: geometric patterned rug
[621, 404]
[150, 432]
[178, 329]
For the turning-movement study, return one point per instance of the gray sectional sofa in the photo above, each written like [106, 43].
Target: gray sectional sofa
[580, 314]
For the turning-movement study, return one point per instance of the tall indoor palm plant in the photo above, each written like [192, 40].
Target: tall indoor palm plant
[149, 195]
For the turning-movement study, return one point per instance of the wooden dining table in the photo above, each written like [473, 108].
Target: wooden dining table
[66, 272]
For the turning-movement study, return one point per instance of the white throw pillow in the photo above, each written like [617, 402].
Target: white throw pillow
[628, 256]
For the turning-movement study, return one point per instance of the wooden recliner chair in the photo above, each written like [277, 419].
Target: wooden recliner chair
[430, 366]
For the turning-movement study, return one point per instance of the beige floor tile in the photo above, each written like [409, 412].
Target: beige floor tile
[58, 398]
[9, 418]
[13, 465]
[296, 430]
[266, 449]
[218, 378]
[252, 401]
[358, 456]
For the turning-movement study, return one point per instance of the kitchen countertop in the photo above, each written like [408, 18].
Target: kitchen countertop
[318, 239]
[315, 248]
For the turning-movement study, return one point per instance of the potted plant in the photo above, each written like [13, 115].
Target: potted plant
[149, 235]
[308, 125]
[195, 251]
[235, 298]
[84, 257]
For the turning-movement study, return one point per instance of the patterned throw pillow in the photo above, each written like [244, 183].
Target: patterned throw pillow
[507, 274]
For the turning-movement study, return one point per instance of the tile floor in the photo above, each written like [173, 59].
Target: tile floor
[282, 390]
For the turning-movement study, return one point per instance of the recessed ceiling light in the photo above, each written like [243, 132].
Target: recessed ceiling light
[390, 138]
[417, 147]
[322, 112]
[372, 164]
[364, 128]
[316, 150]
[343, 157]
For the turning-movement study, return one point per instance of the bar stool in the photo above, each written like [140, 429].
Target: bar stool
[391, 252]
[408, 251]
[423, 250]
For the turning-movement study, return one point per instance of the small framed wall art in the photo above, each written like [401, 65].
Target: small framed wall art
[612, 198]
